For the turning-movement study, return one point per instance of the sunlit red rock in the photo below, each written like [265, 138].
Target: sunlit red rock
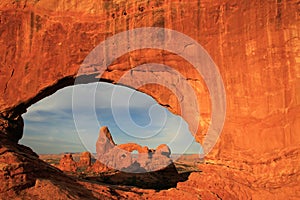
[24, 176]
[67, 163]
[98, 167]
[85, 160]
[133, 147]
[255, 45]
[163, 149]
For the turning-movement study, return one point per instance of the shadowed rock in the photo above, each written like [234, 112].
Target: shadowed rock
[254, 43]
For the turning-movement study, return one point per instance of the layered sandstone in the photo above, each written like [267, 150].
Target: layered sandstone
[255, 44]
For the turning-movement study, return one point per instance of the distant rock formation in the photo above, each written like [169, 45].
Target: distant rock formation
[163, 149]
[120, 157]
[85, 160]
[84, 164]
[133, 147]
[255, 45]
[67, 163]
[98, 167]
[104, 142]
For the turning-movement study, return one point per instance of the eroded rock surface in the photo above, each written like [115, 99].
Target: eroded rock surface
[85, 160]
[84, 165]
[24, 176]
[163, 149]
[67, 163]
[120, 157]
[98, 167]
[104, 142]
[255, 44]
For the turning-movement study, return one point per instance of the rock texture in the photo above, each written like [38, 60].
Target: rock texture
[24, 176]
[85, 160]
[104, 142]
[67, 163]
[120, 157]
[254, 43]
[98, 167]
[134, 147]
[84, 165]
[163, 149]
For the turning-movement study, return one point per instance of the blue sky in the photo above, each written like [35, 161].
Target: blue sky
[131, 116]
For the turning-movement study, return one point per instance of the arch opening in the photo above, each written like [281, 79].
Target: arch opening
[50, 129]
[54, 114]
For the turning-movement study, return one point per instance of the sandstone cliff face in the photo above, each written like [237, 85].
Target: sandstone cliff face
[254, 43]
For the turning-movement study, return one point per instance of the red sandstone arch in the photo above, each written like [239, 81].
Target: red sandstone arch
[130, 147]
[254, 43]
[252, 99]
